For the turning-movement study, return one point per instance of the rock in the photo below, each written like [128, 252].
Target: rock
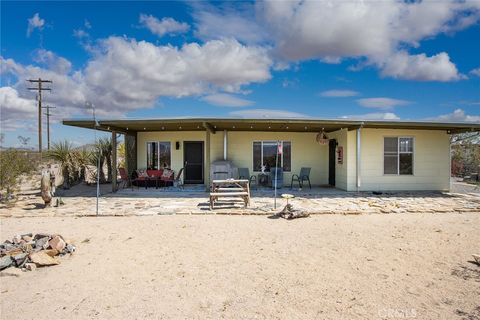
[30, 266]
[27, 238]
[42, 259]
[11, 272]
[477, 258]
[41, 235]
[17, 239]
[42, 243]
[69, 249]
[13, 251]
[57, 243]
[20, 259]
[51, 252]
[5, 262]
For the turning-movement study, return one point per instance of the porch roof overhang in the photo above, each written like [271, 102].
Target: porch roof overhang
[286, 125]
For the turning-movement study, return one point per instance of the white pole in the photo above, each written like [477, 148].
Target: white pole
[98, 156]
[359, 150]
[276, 170]
[98, 164]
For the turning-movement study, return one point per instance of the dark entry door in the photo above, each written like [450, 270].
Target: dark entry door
[332, 144]
[193, 161]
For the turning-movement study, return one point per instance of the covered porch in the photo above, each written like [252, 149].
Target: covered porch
[193, 144]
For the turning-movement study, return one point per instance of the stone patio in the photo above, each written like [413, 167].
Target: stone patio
[80, 201]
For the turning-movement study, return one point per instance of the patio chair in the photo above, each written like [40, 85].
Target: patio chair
[127, 180]
[124, 177]
[244, 173]
[178, 182]
[300, 178]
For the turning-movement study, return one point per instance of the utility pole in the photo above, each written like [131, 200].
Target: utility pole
[39, 81]
[48, 114]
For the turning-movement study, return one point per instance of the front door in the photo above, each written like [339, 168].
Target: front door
[332, 144]
[193, 161]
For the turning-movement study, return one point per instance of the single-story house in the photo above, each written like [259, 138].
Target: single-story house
[350, 155]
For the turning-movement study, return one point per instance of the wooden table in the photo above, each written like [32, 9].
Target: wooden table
[236, 188]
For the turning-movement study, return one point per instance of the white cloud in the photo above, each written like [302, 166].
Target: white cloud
[373, 116]
[213, 22]
[79, 33]
[226, 100]
[339, 93]
[475, 72]
[164, 26]
[52, 61]
[15, 109]
[124, 74]
[267, 113]
[382, 103]
[35, 22]
[331, 31]
[420, 67]
[87, 24]
[457, 115]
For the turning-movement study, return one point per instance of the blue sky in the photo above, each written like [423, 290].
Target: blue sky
[367, 60]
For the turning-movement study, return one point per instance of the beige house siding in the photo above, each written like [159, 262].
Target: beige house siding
[431, 156]
[306, 152]
[170, 136]
[431, 161]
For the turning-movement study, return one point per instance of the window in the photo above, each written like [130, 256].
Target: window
[398, 155]
[265, 152]
[158, 155]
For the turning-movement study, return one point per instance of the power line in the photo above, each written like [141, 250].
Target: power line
[48, 114]
[39, 81]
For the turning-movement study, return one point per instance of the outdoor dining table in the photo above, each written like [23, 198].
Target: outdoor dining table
[239, 188]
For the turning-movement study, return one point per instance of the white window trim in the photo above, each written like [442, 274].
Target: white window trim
[398, 158]
[158, 152]
[261, 152]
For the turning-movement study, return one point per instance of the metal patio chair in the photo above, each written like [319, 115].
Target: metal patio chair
[244, 173]
[300, 178]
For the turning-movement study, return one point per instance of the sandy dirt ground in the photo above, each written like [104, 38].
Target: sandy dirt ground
[402, 266]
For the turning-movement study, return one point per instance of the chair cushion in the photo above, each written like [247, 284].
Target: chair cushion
[155, 173]
[141, 173]
[167, 174]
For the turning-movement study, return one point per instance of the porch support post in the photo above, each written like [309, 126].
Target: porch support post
[359, 176]
[114, 161]
[207, 161]
[225, 144]
[131, 152]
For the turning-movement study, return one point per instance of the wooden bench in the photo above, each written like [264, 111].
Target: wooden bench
[229, 189]
[245, 196]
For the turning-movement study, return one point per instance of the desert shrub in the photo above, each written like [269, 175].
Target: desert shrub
[13, 163]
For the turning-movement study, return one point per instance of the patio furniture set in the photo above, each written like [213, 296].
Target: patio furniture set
[275, 177]
[224, 188]
[152, 178]
[240, 188]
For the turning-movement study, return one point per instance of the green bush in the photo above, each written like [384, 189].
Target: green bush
[13, 163]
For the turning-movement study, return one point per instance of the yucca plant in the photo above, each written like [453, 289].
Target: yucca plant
[82, 160]
[62, 152]
[106, 148]
[97, 159]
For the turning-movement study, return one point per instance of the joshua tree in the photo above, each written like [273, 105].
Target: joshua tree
[62, 152]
